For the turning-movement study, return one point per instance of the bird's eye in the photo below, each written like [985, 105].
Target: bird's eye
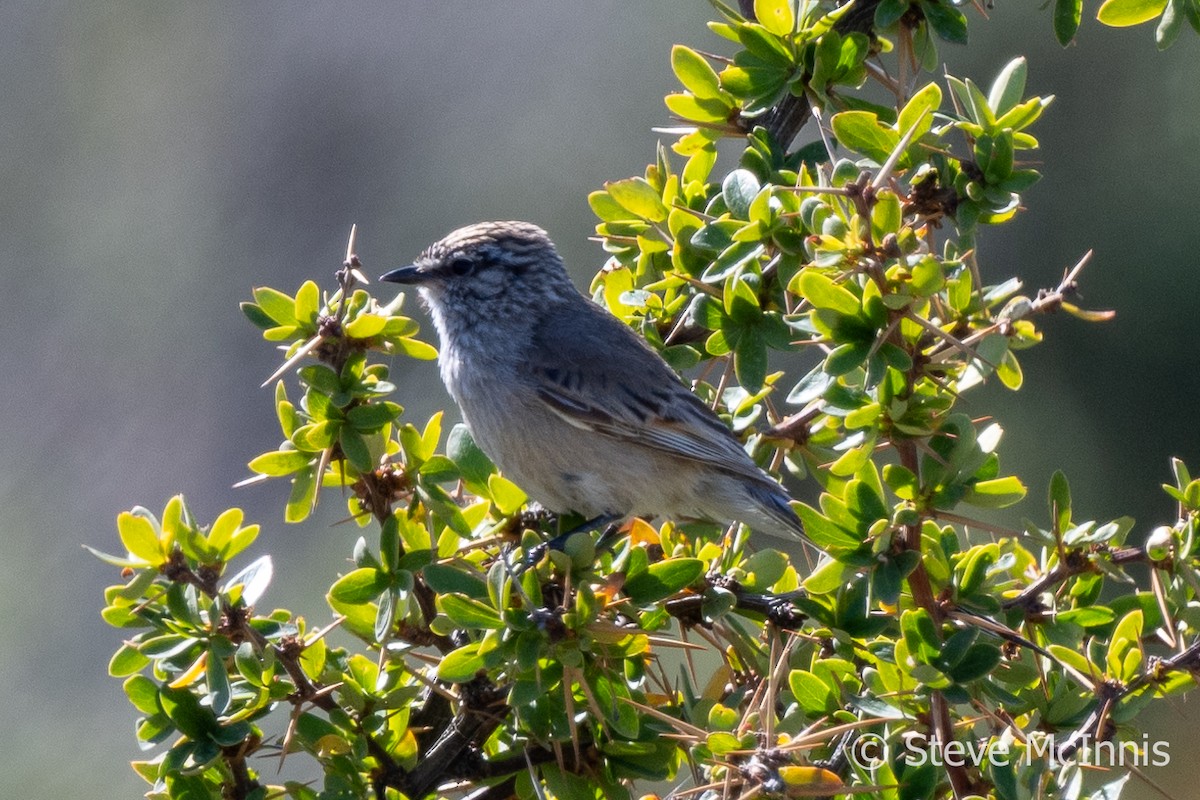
[461, 265]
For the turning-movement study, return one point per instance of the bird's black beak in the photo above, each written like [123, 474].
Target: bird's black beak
[408, 275]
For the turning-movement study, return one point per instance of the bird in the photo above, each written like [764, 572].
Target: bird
[570, 403]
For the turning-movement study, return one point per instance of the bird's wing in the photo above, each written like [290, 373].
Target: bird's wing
[597, 374]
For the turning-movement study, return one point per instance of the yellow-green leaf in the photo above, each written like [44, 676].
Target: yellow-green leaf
[139, 537]
[995, 493]
[461, 665]
[276, 305]
[697, 109]
[1123, 13]
[638, 196]
[308, 301]
[364, 326]
[860, 131]
[507, 496]
[415, 348]
[1125, 653]
[822, 292]
[695, 73]
[222, 529]
[280, 462]
[775, 15]
[470, 613]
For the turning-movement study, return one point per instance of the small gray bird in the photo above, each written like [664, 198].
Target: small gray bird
[571, 404]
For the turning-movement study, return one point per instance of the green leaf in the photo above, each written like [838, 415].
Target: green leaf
[186, 713]
[365, 326]
[975, 565]
[360, 586]
[415, 348]
[775, 15]
[637, 195]
[763, 569]
[317, 436]
[1123, 13]
[886, 216]
[825, 534]
[1009, 87]
[507, 496]
[697, 170]
[308, 301]
[256, 315]
[304, 488]
[385, 615]
[1009, 371]
[143, 693]
[995, 156]
[946, 21]
[1067, 15]
[696, 109]
[139, 537]
[739, 189]
[1075, 660]
[280, 462]
[1059, 499]
[372, 416]
[445, 579]
[695, 73]
[218, 682]
[470, 613]
[995, 493]
[927, 276]
[276, 305]
[461, 665]
[248, 664]
[980, 659]
[822, 292]
[128, 660]
[606, 208]
[920, 635]
[472, 462]
[813, 695]
[223, 528]
[862, 132]
[1087, 616]
[355, 449]
[1125, 651]
[750, 360]
[1171, 23]
[826, 578]
[889, 12]
[663, 579]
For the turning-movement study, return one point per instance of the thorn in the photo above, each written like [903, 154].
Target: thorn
[253, 479]
[885, 171]
[1071, 276]
[307, 348]
[816, 112]
[351, 255]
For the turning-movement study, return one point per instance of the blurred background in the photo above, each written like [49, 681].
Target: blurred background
[160, 159]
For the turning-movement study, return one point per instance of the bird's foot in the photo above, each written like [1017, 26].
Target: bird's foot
[608, 522]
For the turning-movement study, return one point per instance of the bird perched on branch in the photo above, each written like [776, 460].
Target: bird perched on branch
[572, 405]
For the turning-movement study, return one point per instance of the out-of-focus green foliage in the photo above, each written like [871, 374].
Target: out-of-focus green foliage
[828, 301]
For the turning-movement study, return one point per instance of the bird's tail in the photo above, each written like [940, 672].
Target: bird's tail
[772, 505]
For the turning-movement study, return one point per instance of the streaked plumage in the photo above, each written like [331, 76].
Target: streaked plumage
[570, 403]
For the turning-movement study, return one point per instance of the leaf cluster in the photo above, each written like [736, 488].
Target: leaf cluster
[828, 301]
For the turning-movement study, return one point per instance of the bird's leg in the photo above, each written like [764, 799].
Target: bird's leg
[609, 534]
[608, 521]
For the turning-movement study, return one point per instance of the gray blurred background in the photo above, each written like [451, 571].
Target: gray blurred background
[160, 159]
